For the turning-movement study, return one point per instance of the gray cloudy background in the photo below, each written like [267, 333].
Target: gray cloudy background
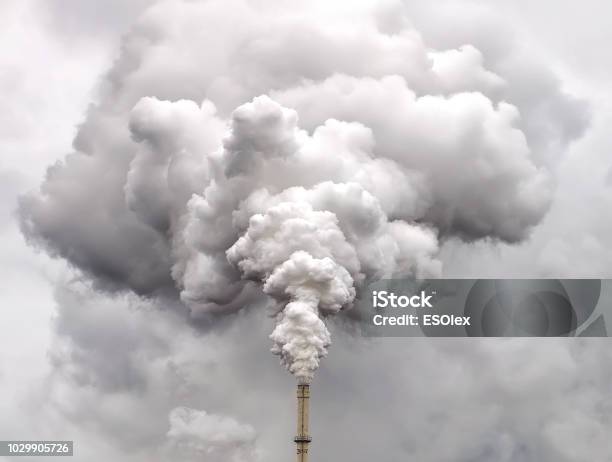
[137, 379]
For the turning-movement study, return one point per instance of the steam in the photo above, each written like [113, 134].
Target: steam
[323, 155]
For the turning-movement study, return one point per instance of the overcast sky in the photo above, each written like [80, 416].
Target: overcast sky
[102, 343]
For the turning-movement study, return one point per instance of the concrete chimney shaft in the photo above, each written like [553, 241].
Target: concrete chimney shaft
[302, 439]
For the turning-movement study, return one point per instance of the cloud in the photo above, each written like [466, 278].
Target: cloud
[219, 394]
[369, 150]
[122, 366]
[194, 435]
[412, 124]
[430, 113]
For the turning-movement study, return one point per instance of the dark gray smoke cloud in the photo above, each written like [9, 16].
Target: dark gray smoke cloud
[438, 125]
[365, 147]
[391, 130]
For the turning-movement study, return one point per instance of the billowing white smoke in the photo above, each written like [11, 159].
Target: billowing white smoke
[309, 246]
[396, 147]
[302, 256]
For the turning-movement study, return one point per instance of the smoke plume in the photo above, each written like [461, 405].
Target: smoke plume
[296, 151]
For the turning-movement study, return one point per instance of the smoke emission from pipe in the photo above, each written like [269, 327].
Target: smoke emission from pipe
[240, 171]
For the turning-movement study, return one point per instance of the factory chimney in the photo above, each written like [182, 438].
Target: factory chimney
[303, 439]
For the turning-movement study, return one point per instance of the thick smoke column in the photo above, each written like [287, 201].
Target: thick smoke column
[298, 253]
[329, 148]
[308, 247]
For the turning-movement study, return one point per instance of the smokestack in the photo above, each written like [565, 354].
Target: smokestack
[303, 439]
